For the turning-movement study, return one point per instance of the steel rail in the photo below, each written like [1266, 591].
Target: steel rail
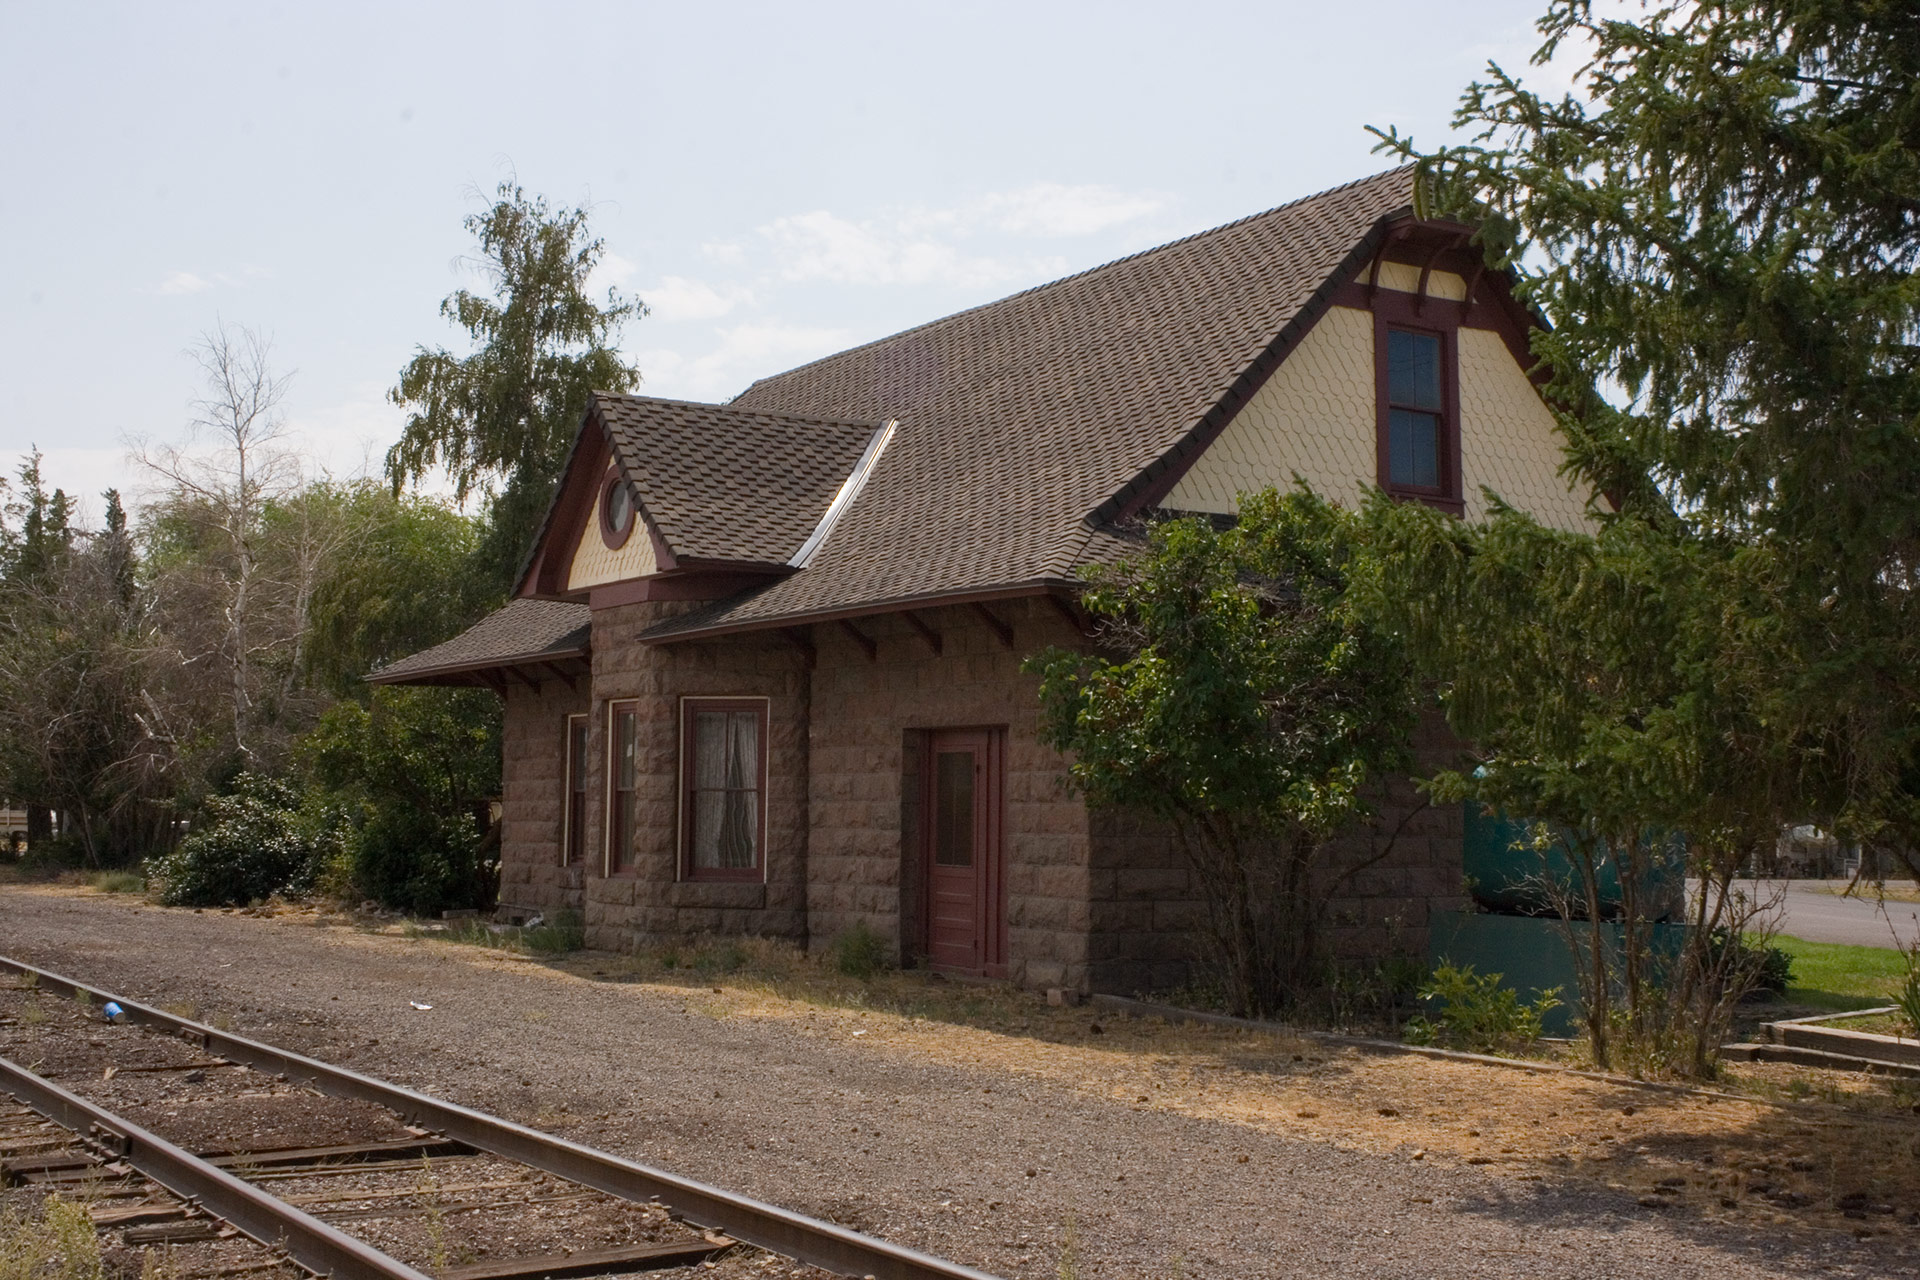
[809, 1240]
[273, 1222]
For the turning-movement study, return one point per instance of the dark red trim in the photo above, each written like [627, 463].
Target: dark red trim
[1157, 479]
[689, 708]
[616, 861]
[567, 518]
[614, 539]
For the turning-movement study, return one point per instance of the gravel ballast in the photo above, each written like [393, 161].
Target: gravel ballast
[988, 1166]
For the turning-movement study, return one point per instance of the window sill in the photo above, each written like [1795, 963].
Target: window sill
[1452, 506]
[735, 894]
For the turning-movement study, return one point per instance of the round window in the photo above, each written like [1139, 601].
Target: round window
[616, 511]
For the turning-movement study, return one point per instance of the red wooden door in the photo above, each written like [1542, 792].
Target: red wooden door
[965, 918]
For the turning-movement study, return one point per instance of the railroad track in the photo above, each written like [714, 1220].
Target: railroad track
[272, 1159]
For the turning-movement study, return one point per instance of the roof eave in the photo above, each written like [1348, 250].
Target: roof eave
[894, 604]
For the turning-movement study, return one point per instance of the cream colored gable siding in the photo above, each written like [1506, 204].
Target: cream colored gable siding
[1405, 278]
[594, 565]
[1316, 417]
[1509, 442]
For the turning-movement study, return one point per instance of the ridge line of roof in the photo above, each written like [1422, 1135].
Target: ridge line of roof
[1077, 275]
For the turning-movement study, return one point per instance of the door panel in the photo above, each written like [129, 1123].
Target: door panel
[964, 914]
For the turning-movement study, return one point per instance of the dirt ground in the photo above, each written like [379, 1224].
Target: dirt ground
[1029, 1141]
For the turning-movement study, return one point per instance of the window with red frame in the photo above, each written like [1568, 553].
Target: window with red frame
[723, 781]
[575, 845]
[623, 808]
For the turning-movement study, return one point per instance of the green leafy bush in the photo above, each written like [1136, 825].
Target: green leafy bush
[1475, 1012]
[257, 840]
[1756, 967]
[860, 952]
[418, 767]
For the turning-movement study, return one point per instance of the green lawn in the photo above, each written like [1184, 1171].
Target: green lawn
[1831, 976]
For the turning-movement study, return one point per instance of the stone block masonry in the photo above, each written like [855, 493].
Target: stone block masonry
[1093, 901]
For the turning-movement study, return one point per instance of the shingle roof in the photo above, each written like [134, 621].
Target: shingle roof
[526, 630]
[1024, 423]
[725, 483]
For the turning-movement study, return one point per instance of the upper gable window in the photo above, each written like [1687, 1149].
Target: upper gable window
[617, 511]
[1414, 409]
[1419, 420]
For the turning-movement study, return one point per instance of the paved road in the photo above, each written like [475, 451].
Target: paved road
[1807, 912]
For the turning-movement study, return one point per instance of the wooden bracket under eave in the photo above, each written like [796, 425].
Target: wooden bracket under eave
[994, 622]
[866, 642]
[1076, 617]
[801, 638]
[927, 633]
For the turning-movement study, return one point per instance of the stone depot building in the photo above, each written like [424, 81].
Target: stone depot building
[762, 671]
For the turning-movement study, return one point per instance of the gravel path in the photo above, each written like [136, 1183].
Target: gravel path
[981, 1166]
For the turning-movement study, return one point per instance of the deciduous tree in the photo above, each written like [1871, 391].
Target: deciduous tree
[1237, 699]
[500, 419]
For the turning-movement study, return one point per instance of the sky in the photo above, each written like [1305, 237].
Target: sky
[775, 182]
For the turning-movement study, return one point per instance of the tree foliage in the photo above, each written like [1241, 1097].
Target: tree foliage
[1607, 683]
[1242, 703]
[397, 586]
[419, 768]
[75, 731]
[501, 419]
[1720, 225]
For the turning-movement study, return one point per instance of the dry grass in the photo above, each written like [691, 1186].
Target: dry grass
[1770, 1144]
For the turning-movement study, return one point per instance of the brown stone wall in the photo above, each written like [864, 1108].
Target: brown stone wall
[1145, 904]
[647, 900]
[533, 776]
[868, 716]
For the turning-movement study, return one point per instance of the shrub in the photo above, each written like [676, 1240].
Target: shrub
[256, 841]
[860, 952]
[418, 767]
[1755, 966]
[1478, 1014]
[1907, 994]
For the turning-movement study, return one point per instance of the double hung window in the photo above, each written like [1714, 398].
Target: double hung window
[723, 777]
[574, 839]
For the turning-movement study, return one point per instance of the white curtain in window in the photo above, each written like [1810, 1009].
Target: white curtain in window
[726, 782]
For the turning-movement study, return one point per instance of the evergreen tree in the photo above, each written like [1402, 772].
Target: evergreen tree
[1720, 225]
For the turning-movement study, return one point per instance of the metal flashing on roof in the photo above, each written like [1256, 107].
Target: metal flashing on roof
[849, 490]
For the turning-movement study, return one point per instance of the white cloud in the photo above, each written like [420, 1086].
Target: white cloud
[678, 298]
[184, 282]
[916, 245]
[1051, 209]
[611, 272]
[825, 246]
[726, 253]
[741, 354]
[347, 439]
